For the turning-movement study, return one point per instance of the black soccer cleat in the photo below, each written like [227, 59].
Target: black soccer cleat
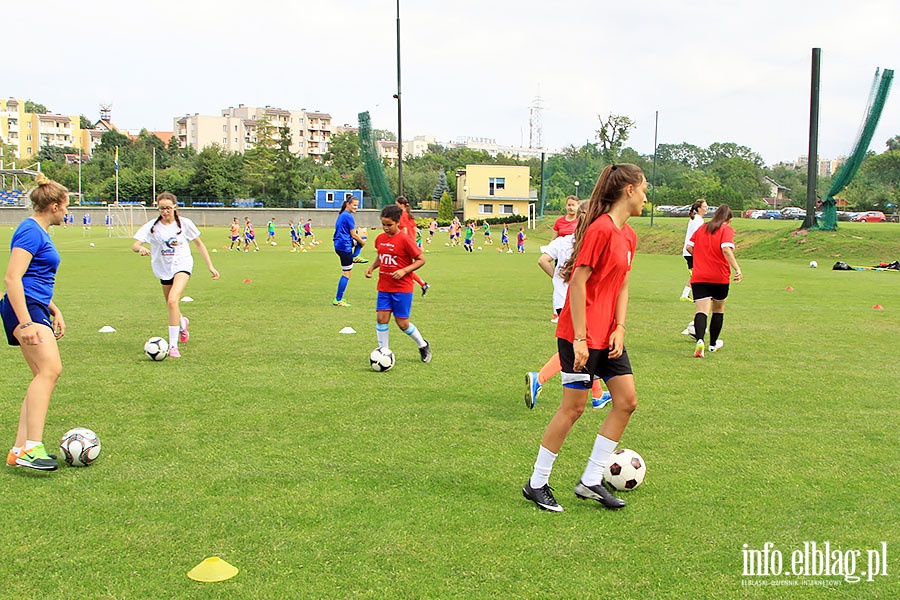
[425, 287]
[542, 496]
[425, 352]
[600, 494]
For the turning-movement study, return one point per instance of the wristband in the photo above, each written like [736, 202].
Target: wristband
[24, 325]
[579, 340]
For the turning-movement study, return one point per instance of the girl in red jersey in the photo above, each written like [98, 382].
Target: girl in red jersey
[398, 257]
[712, 247]
[565, 225]
[408, 227]
[591, 333]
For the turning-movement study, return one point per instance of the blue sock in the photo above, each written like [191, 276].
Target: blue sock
[342, 285]
[356, 249]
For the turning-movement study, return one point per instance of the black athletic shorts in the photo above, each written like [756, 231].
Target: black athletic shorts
[716, 291]
[599, 366]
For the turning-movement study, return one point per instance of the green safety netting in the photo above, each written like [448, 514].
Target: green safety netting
[379, 189]
[881, 86]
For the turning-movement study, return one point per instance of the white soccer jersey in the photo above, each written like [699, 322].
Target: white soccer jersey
[692, 227]
[170, 251]
[559, 249]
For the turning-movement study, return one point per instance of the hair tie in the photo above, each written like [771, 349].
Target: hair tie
[613, 167]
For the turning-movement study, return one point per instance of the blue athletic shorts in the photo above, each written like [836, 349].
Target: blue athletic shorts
[37, 312]
[399, 303]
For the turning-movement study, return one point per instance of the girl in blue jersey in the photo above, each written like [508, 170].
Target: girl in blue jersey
[32, 321]
[344, 236]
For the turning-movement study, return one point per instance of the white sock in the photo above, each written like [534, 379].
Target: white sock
[29, 444]
[686, 291]
[383, 334]
[412, 332]
[173, 335]
[16, 450]
[542, 468]
[593, 472]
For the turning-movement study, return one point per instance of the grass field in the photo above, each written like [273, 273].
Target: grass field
[272, 445]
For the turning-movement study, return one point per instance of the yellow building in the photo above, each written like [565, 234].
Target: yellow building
[29, 132]
[490, 191]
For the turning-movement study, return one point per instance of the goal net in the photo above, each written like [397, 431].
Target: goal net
[123, 220]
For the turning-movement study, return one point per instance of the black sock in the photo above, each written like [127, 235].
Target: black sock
[715, 327]
[699, 325]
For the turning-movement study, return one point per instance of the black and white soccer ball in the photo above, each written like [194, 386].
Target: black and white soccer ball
[80, 447]
[381, 359]
[156, 348]
[626, 470]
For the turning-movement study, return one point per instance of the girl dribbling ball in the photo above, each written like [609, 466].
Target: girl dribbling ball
[169, 236]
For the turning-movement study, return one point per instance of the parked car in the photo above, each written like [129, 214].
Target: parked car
[756, 214]
[872, 216]
[793, 212]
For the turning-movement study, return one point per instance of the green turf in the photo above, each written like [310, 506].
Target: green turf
[272, 445]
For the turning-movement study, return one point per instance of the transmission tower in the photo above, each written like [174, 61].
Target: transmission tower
[535, 126]
[106, 111]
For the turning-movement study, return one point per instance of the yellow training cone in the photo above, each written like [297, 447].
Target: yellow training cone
[212, 569]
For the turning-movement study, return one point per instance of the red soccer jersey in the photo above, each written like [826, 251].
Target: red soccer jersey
[410, 224]
[564, 227]
[395, 252]
[710, 264]
[608, 250]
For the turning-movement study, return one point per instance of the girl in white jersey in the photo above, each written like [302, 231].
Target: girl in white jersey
[169, 236]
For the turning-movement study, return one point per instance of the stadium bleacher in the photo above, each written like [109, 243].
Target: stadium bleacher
[12, 197]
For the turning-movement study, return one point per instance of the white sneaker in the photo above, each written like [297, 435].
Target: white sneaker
[718, 346]
[689, 330]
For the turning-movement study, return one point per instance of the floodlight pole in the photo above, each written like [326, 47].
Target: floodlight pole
[812, 166]
[399, 114]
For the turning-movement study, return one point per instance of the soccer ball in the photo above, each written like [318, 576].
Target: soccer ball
[381, 359]
[156, 348]
[80, 447]
[479, 247]
[626, 470]
[813, 264]
[274, 243]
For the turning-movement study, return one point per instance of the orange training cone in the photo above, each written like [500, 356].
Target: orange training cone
[248, 281]
[789, 288]
[878, 307]
[212, 569]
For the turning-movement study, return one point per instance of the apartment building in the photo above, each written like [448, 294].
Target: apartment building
[236, 129]
[29, 132]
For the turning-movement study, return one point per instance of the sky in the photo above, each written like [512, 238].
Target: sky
[712, 71]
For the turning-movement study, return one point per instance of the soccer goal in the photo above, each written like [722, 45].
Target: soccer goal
[122, 220]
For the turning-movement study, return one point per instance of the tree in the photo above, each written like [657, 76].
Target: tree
[613, 134]
[343, 152]
[85, 123]
[259, 161]
[217, 174]
[893, 143]
[445, 208]
[35, 108]
[440, 188]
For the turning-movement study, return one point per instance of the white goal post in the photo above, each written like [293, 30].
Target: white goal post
[123, 220]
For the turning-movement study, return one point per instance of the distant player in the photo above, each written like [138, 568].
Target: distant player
[308, 233]
[470, 233]
[504, 238]
[397, 258]
[169, 236]
[432, 229]
[488, 240]
[235, 234]
[270, 230]
[249, 236]
[295, 237]
[520, 240]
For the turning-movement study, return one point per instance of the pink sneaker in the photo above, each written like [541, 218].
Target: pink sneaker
[173, 352]
[183, 334]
